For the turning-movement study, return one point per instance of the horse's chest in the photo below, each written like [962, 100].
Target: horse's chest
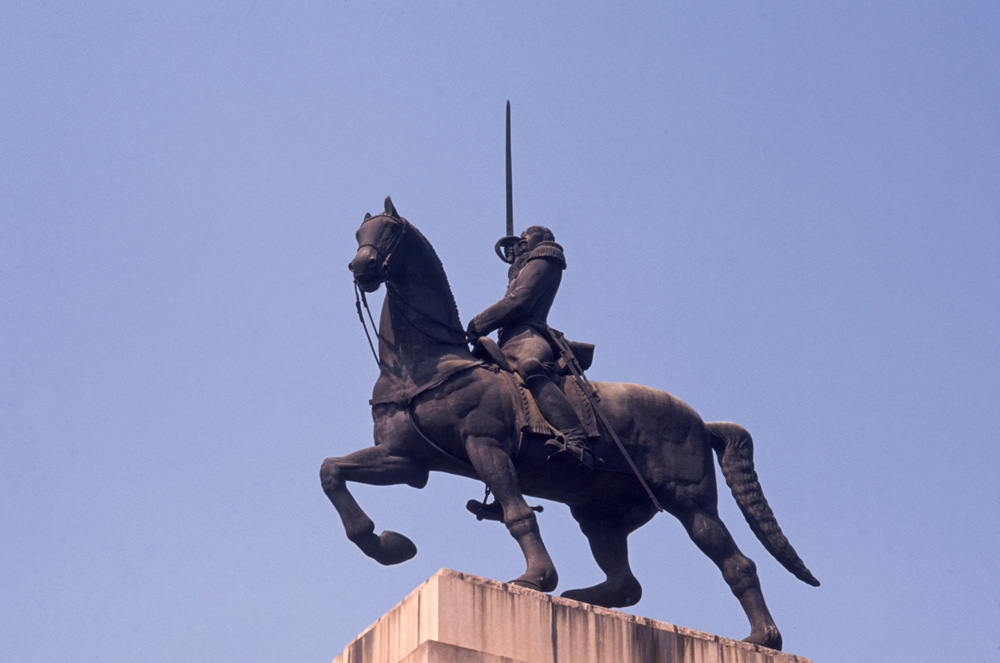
[421, 427]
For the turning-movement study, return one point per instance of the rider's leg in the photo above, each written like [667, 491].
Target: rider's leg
[533, 359]
[558, 411]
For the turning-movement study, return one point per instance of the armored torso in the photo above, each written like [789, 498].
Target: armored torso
[534, 282]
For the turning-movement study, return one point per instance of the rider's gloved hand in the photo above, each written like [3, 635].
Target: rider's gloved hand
[472, 332]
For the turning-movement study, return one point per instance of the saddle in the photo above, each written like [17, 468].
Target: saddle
[530, 418]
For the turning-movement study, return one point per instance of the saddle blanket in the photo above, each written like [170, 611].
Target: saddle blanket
[530, 418]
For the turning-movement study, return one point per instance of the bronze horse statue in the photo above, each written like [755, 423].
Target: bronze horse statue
[438, 408]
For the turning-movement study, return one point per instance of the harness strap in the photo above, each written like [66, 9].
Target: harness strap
[429, 441]
[405, 398]
[405, 401]
[591, 393]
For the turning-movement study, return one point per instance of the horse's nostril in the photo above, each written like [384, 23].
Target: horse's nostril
[350, 266]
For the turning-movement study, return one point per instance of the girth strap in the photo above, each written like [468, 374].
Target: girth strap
[404, 398]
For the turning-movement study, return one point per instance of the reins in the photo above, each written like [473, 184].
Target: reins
[359, 297]
[361, 301]
[404, 304]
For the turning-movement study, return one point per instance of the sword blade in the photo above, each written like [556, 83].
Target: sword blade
[510, 181]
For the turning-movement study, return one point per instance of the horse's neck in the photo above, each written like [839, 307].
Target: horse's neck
[419, 325]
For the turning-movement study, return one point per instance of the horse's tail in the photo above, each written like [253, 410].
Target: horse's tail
[734, 447]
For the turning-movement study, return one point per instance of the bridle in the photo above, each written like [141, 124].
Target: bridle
[400, 226]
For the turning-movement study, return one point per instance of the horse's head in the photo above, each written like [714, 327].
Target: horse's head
[377, 237]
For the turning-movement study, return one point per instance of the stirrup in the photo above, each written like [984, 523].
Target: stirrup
[492, 511]
[484, 511]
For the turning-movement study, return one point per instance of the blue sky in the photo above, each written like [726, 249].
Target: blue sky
[785, 215]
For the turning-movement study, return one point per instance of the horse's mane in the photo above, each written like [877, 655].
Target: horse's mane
[440, 266]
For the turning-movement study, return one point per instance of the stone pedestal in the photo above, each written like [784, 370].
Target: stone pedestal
[460, 618]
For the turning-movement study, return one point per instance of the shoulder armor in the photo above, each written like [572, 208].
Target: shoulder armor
[549, 250]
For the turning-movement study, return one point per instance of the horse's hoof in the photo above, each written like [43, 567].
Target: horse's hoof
[769, 638]
[545, 581]
[608, 594]
[393, 548]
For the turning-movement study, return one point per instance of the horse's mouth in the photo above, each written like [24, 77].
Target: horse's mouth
[368, 282]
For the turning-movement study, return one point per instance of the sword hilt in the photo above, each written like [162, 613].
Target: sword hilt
[505, 247]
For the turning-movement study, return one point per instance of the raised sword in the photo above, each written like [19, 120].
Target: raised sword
[505, 245]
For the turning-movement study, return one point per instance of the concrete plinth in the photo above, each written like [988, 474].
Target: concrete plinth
[459, 618]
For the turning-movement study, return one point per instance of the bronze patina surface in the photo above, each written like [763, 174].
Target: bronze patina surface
[437, 407]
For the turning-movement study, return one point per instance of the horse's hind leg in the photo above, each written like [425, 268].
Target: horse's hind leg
[374, 465]
[739, 571]
[495, 468]
[608, 538]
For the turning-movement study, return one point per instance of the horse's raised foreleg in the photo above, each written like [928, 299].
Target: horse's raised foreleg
[495, 468]
[374, 465]
[607, 534]
[711, 536]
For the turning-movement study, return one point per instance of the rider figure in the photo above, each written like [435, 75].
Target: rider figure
[521, 316]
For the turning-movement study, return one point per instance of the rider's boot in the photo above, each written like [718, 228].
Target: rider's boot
[556, 408]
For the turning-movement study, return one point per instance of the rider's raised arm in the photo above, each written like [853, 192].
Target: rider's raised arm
[535, 279]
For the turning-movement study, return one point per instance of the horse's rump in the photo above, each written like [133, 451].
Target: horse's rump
[665, 436]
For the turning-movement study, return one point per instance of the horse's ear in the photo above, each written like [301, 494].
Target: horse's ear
[390, 209]
[367, 216]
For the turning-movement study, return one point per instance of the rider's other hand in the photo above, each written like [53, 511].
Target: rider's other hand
[472, 331]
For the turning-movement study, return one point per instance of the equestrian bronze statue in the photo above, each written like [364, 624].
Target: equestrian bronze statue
[439, 407]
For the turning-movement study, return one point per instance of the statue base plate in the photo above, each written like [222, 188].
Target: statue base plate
[455, 617]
